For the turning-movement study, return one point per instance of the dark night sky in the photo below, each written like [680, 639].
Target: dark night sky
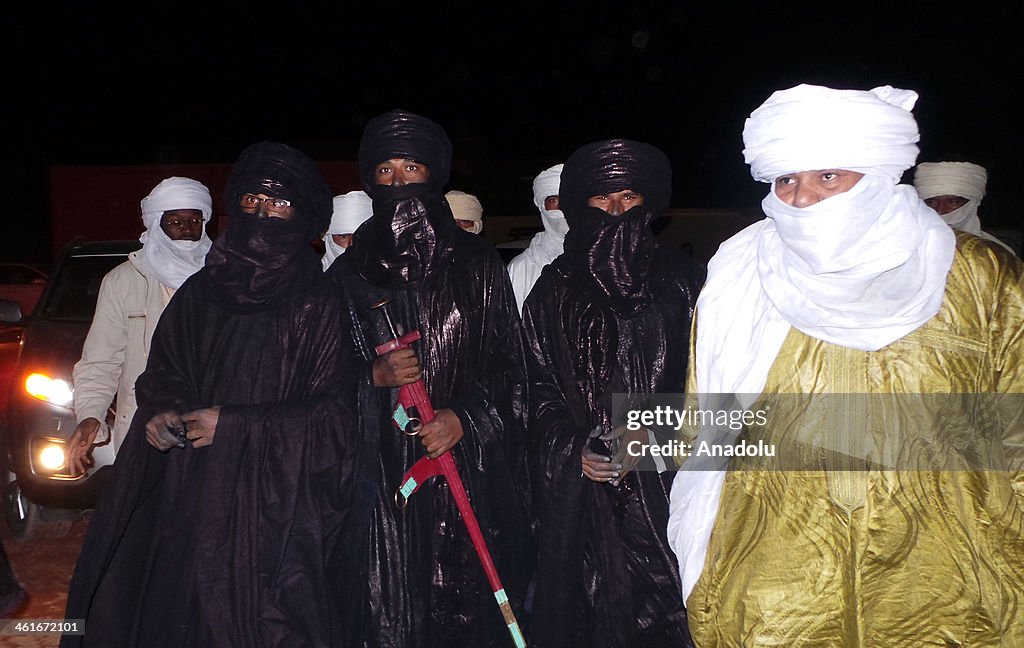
[518, 87]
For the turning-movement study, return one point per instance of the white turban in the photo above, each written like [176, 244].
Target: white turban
[962, 179]
[172, 262]
[546, 246]
[176, 193]
[950, 179]
[544, 185]
[807, 128]
[350, 211]
[466, 207]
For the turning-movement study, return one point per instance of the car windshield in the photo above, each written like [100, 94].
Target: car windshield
[73, 291]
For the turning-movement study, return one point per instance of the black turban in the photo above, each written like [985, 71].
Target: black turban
[261, 261]
[401, 134]
[609, 256]
[281, 171]
[615, 165]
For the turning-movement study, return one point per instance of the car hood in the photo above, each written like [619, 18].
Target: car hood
[52, 347]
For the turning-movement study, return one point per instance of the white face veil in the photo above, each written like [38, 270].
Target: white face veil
[962, 179]
[466, 206]
[172, 262]
[546, 246]
[860, 269]
[350, 211]
[544, 185]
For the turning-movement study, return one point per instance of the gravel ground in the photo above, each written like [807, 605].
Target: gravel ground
[44, 568]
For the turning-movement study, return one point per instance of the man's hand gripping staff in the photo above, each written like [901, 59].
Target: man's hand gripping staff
[413, 412]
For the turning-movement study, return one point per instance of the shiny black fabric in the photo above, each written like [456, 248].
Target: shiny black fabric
[412, 231]
[605, 575]
[411, 234]
[615, 165]
[415, 580]
[595, 237]
[230, 544]
[260, 261]
[405, 135]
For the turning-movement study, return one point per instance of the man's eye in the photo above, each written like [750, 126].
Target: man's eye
[384, 170]
[828, 177]
[411, 167]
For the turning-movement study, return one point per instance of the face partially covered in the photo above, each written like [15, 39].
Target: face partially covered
[400, 171]
[551, 203]
[182, 224]
[946, 203]
[342, 240]
[615, 203]
[264, 206]
[807, 188]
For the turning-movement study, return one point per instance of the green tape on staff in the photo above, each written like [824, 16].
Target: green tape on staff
[401, 418]
[501, 596]
[407, 488]
[517, 636]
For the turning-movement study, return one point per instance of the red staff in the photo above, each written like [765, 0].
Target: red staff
[413, 412]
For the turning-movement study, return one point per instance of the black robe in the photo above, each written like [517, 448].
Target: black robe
[416, 581]
[605, 574]
[227, 545]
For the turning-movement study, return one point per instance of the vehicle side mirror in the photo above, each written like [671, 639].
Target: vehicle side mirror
[10, 311]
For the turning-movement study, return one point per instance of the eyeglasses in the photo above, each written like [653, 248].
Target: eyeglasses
[178, 223]
[252, 201]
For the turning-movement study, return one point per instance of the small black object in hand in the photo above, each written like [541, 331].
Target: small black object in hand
[179, 432]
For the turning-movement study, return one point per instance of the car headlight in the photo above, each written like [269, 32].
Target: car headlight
[51, 457]
[51, 390]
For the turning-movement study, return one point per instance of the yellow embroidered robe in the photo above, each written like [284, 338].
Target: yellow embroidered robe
[899, 553]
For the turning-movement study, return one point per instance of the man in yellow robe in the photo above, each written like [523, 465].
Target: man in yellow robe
[886, 351]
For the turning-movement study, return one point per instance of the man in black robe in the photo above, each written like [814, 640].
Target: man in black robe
[610, 315]
[414, 578]
[222, 537]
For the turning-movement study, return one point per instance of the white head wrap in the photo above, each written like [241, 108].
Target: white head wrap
[807, 128]
[350, 211]
[172, 262]
[466, 207]
[860, 269]
[954, 179]
[546, 246]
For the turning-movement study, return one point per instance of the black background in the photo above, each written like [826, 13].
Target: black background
[518, 86]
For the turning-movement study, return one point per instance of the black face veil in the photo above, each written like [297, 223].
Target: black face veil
[259, 261]
[612, 255]
[412, 226]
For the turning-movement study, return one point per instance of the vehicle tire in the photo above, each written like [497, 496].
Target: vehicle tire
[26, 520]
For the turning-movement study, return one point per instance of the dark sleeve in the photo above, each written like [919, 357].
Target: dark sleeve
[492, 408]
[557, 436]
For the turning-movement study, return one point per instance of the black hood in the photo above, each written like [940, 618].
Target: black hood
[260, 261]
[611, 256]
[406, 135]
[412, 230]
